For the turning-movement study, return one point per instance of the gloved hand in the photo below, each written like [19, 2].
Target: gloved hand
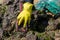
[25, 14]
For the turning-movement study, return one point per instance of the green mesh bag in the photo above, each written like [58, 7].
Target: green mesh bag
[52, 5]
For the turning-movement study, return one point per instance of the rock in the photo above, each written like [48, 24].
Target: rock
[57, 23]
[23, 38]
[30, 36]
[10, 14]
[4, 1]
[51, 25]
[57, 35]
[51, 34]
[1, 33]
[50, 28]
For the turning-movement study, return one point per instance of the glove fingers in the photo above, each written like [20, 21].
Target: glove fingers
[25, 22]
[19, 16]
[19, 22]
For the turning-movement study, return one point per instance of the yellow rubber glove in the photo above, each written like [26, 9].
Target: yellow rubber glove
[25, 14]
